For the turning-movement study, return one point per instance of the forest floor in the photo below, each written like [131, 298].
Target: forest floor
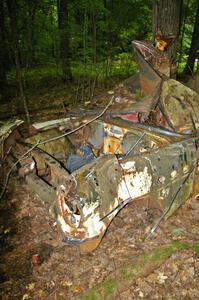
[51, 98]
[35, 264]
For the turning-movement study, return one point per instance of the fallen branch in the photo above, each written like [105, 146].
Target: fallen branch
[169, 207]
[80, 127]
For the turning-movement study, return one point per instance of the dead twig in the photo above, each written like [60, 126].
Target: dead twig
[80, 127]
[115, 269]
[169, 207]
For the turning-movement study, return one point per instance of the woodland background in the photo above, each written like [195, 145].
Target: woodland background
[56, 55]
[85, 45]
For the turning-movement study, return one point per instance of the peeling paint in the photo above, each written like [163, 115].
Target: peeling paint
[174, 173]
[129, 165]
[65, 227]
[134, 185]
[186, 169]
[164, 193]
[162, 179]
[89, 208]
[94, 225]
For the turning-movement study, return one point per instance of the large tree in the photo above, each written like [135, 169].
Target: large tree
[194, 49]
[167, 20]
[3, 51]
[12, 6]
[63, 15]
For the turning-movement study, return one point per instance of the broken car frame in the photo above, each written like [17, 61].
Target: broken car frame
[135, 150]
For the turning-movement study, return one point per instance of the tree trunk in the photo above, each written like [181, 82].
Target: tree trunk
[62, 8]
[3, 81]
[167, 19]
[12, 11]
[32, 9]
[189, 68]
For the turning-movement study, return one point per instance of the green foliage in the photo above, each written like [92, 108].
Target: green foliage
[97, 28]
[100, 35]
[188, 19]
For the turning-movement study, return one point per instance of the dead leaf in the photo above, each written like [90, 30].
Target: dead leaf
[147, 229]
[25, 296]
[7, 230]
[141, 295]
[41, 294]
[67, 283]
[30, 286]
[162, 277]
[77, 288]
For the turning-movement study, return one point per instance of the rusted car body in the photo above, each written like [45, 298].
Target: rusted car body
[89, 169]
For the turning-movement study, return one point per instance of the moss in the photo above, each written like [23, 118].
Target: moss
[127, 273]
[180, 245]
[140, 266]
[101, 291]
[177, 231]
[91, 295]
[165, 252]
[196, 248]
[109, 287]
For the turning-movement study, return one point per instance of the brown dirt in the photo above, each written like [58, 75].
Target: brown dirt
[60, 271]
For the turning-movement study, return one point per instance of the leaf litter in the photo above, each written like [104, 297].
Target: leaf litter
[62, 272]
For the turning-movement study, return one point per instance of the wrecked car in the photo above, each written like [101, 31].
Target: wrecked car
[141, 148]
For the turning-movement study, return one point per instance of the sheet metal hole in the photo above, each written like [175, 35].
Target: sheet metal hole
[96, 182]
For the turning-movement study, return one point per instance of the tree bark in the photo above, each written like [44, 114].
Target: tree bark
[3, 56]
[62, 8]
[189, 68]
[167, 19]
[12, 12]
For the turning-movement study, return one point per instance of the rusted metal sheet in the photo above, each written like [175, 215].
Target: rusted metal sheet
[152, 64]
[180, 106]
[99, 190]
[113, 139]
[6, 130]
[156, 59]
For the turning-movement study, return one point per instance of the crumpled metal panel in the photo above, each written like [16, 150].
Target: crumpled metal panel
[94, 194]
[86, 197]
[149, 78]
[117, 136]
[156, 59]
[152, 64]
[5, 130]
[180, 106]
[62, 147]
